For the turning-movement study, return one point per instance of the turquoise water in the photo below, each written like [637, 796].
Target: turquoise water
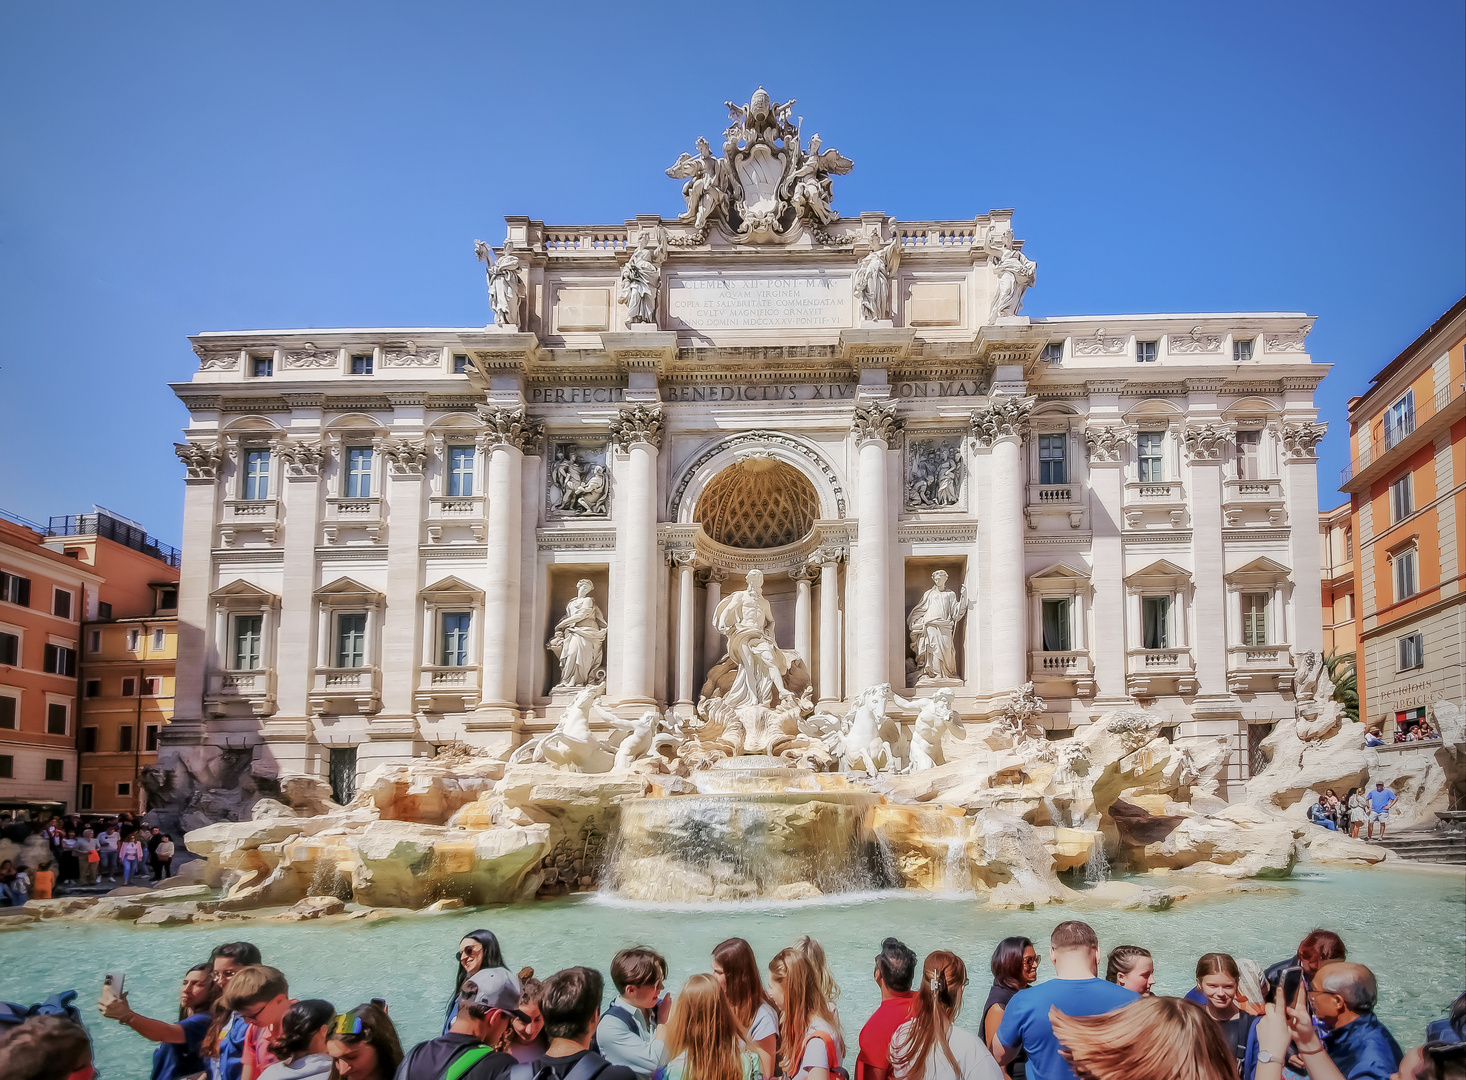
[1409, 926]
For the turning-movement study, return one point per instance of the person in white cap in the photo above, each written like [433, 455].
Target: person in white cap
[487, 1003]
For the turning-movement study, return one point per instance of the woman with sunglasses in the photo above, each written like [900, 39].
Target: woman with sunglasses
[479, 949]
[363, 1045]
[179, 1043]
[1015, 968]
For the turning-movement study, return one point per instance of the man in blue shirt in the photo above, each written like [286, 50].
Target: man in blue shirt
[1077, 991]
[1380, 801]
[1357, 1043]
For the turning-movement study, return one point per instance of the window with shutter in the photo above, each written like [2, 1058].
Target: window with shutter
[1254, 619]
[1056, 625]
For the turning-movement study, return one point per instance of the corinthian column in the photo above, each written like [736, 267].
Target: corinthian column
[686, 609]
[509, 436]
[1000, 429]
[876, 427]
[712, 641]
[803, 628]
[827, 559]
[638, 431]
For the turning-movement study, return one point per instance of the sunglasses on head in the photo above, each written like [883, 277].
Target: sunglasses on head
[347, 1025]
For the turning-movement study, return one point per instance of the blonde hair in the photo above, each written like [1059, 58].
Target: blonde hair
[932, 1014]
[814, 952]
[703, 1027]
[804, 1002]
[1154, 1038]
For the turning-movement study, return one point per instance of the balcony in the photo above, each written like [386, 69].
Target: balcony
[457, 514]
[344, 515]
[249, 515]
[1150, 671]
[1253, 502]
[447, 689]
[1060, 498]
[346, 690]
[1259, 667]
[1073, 666]
[232, 691]
[1148, 502]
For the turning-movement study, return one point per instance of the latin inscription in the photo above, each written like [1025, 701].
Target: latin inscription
[576, 395]
[749, 303]
[761, 392]
[776, 391]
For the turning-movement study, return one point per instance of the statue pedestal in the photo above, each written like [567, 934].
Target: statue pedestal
[927, 682]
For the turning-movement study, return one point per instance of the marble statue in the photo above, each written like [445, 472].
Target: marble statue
[936, 476]
[643, 738]
[706, 190]
[1015, 273]
[641, 278]
[579, 639]
[747, 621]
[865, 739]
[934, 718]
[809, 188]
[506, 290]
[572, 745]
[933, 625]
[873, 281]
[580, 487]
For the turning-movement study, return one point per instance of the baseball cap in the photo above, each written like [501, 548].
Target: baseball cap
[496, 988]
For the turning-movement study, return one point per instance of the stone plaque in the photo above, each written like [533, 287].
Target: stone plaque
[934, 303]
[582, 309]
[769, 301]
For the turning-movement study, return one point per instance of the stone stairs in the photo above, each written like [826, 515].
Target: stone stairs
[1429, 845]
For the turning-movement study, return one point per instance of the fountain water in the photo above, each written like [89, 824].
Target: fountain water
[1097, 870]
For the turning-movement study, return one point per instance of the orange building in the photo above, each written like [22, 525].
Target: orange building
[1407, 488]
[1336, 572]
[44, 598]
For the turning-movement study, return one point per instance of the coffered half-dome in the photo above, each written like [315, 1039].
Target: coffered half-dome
[758, 502]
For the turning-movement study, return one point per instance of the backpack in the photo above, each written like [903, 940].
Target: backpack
[832, 1054]
[622, 1014]
[465, 1061]
[587, 1068]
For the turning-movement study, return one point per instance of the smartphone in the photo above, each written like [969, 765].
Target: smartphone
[112, 988]
[1285, 986]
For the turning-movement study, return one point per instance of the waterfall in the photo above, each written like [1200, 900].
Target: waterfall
[956, 875]
[1097, 870]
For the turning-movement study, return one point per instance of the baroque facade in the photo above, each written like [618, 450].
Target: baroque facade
[388, 532]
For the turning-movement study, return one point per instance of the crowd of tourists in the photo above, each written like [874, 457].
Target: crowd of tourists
[1308, 1016]
[83, 852]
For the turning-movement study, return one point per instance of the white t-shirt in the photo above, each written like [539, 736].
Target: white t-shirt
[974, 1062]
[765, 1023]
[815, 1054]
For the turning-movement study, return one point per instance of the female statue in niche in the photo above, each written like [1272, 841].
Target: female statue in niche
[933, 626]
[580, 639]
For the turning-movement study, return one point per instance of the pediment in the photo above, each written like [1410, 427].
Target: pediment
[1161, 568]
[242, 590]
[1059, 572]
[1261, 568]
[451, 587]
[348, 588]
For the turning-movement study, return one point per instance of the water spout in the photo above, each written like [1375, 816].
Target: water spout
[1097, 870]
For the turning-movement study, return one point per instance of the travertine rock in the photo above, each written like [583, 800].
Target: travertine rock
[1009, 861]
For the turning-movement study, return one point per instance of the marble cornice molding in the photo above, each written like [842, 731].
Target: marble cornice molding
[304, 401]
[377, 403]
[936, 532]
[253, 405]
[201, 403]
[1301, 382]
[1153, 389]
[1105, 386]
[575, 539]
[503, 350]
[226, 559]
[510, 427]
[637, 423]
[406, 398]
[876, 421]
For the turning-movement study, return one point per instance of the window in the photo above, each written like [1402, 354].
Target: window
[15, 589]
[94, 688]
[361, 363]
[257, 474]
[350, 641]
[1348, 543]
[86, 793]
[1241, 350]
[124, 787]
[59, 660]
[1405, 579]
[9, 649]
[1249, 455]
[150, 738]
[61, 603]
[1052, 459]
[1402, 498]
[262, 367]
[7, 767]
[1412, 651]
[124, 739]
[1400, 419]
[1056, 625]
[358, 472]
[460, 470]
[56, 770]
[104, 611]
[153, 686]
[160, 639]
[88, 740]
[1148, 450]
[94, 641]
[247, 636]
[134, 636]
[1254, 619]
[455, 639]
[56, 717]
[1052, 353]
[1155, 618]
[7, 712]
[1145, 352]
[167, 599]
[342, 771]
[460, 363]
[129, 687]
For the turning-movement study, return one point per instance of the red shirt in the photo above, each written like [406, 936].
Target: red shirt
[875, 1037]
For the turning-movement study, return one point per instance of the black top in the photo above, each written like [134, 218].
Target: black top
[1235, 1030]
[430, 1060]
[560, 1067]
[1001, 995]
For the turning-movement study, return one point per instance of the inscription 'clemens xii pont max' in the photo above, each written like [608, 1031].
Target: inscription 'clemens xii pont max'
[748, 303]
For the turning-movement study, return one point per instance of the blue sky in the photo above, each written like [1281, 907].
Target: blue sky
[172, 168]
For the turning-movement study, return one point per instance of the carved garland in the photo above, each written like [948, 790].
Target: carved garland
[1300, 441]
[410, 357]
[310, 358]
[1003, 418]
[760, 438]
[637, 423]
[876, 421]
[510, 427]
[1194, 342]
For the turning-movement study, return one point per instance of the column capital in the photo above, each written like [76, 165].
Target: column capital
[637, 424]
[876, 421]
[510, 427]
[1104, 443]
[826, 556]
[406, 458]
[201, 461]
[1204, 443]
[712, 575]
[1300, 441]
[682, 557]
[303, 460]
[804, 573]
[1004, 418]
